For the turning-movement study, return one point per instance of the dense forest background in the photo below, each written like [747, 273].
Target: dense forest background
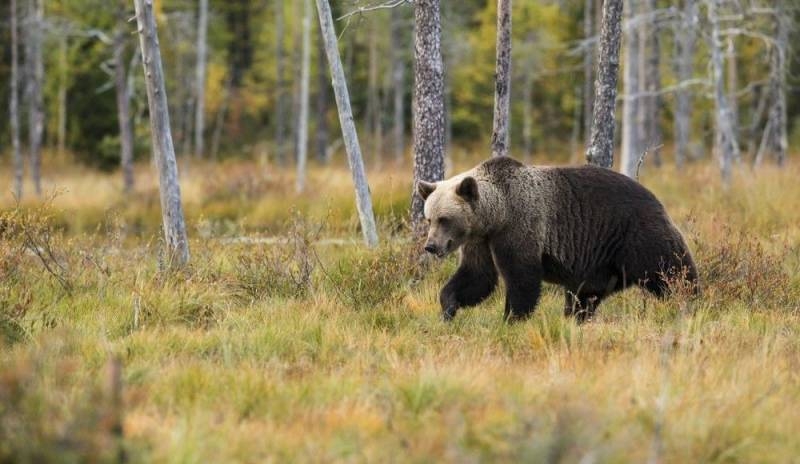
[251, 110]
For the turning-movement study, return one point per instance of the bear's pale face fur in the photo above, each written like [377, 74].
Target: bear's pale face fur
[450, 211]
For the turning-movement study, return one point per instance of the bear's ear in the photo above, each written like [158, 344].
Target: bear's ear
[468, 189]
[425, 189]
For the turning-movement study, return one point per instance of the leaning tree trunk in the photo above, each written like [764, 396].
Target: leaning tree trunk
[685, 42]
[13, 101]
[428, 104]
[200, 80]
[322, 102]
[398, 83]
[502, 89]
[363, 198]
[164, 151]
[123, 102]
[35, 99]
[631, 145]
[725, 143]
[305, 80]
[601, 147]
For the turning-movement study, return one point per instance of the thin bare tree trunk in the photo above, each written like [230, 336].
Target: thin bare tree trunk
[398, 83]
[123, 101]
[363, 197]
[296, 62]
[373, 111]
[305, 80]
[778, 84]
[588, 64]
[322, 102]
[725, 142]
[35, 98]
[651, 105]
[200, 85]
[631, 145]
[428, 104]
[686, 40]
[63, 65]
[13, 101]
[502, 92]
[164, 151]
[222, 114]
[280, 86]
[733, 84]
[601, 148]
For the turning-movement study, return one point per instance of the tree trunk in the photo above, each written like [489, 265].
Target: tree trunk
[601, 148]
[280, 86]
[222, 113]
[631, 138]
[123, 101]
[502, 90]
[305, 80]
[164, 151]
[373, 110]
[778, 84]
[588, 64]
[297, 63]
[428, 105]
[363, 198]
[725, 144]
[322, 102]
[35, 99]
[527, 110]
[685, 42]
[398, 83]
[651, 104]
[733, 85]
[13, 101]
[200, 85]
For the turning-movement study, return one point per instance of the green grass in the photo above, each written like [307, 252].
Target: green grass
[296, 351]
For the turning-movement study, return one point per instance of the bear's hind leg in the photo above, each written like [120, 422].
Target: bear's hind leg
[473, 282]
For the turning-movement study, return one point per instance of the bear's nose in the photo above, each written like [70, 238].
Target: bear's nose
[430, 248]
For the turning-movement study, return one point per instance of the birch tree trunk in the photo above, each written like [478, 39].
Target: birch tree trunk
[363, 197]
[322, 102]
[778, 84]
[651, 104]
[631, 145]
[35, 99]
[686, 41]
[588, 64]
[164, 151]
[725, 145]
[13, 101]
[733, 84]
[398, 84]
[601, 147]
[280, 86]
[200, 85]
[502, 92]
[428, 104]
[123, 101]
[305, 80]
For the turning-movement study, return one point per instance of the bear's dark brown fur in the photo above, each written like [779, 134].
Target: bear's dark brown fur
[591, 230]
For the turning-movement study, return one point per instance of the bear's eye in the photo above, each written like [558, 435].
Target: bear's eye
[444, 221]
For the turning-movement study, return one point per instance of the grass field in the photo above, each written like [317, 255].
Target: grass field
[294, 350]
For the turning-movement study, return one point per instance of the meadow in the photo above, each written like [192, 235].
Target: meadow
[287, 341]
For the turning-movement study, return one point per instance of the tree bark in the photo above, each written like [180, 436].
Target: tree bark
[280, 86]
[601, 148]
[200, 85]
[322, 102]
[428, 104]
[733, 84]
[164, 151]
[631, 121]
[398, 83]
[502, 91]
[725, 143]
[305, 80]
[778, 84]
[651, 104]
[35, 99]
[686, 41]
[363, 197]
[63, 65]
[13, 101]
[123, 101]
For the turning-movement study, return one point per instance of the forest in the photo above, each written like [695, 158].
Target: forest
[212, 230]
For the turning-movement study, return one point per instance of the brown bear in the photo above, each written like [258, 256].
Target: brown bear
[589, 229]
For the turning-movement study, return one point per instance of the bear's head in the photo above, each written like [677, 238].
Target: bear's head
[450, 208]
